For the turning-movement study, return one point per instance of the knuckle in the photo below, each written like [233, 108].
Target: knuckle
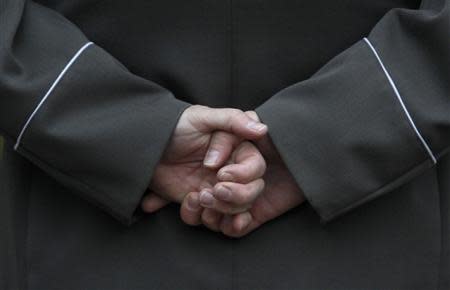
[240, 202]
[262, 162]
[229, 209]
[240, 209]
[252, 114]
[196, 107]
[238, 115]
[262, 183]
[250, 192]
[264, 166]
[258, 185]
[235, 210]
[244, 197]
[235, 112]
[252, 188]
[241, 194]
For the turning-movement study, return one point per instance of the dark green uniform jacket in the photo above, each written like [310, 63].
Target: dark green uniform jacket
[356, 97]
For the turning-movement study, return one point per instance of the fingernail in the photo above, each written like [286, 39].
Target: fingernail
[256, 126]
[225, 176]
[211, 157]
[193, 202]
[223, 193]
[206, 199]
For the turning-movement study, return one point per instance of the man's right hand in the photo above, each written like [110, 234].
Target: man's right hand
[281, 193]
[183, 167]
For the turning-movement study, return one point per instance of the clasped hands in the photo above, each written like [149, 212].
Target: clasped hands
[222, 180]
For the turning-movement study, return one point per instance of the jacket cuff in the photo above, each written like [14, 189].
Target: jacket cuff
[101, 132]
[343, 133]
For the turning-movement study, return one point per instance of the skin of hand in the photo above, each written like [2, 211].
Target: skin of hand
[281, 193]
[189, 163]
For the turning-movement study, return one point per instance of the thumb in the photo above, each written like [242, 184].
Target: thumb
[220, 148]
[230, 120]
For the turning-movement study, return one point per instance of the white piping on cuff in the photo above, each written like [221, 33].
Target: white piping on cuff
[50, 90]
[394, 87]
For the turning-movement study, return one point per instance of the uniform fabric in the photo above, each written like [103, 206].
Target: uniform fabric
[355, 94]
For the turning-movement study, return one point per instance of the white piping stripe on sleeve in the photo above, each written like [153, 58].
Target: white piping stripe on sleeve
[394, 87]
[55, 83]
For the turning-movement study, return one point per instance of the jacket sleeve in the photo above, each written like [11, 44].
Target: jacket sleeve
[76, 112]
[374, 117]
